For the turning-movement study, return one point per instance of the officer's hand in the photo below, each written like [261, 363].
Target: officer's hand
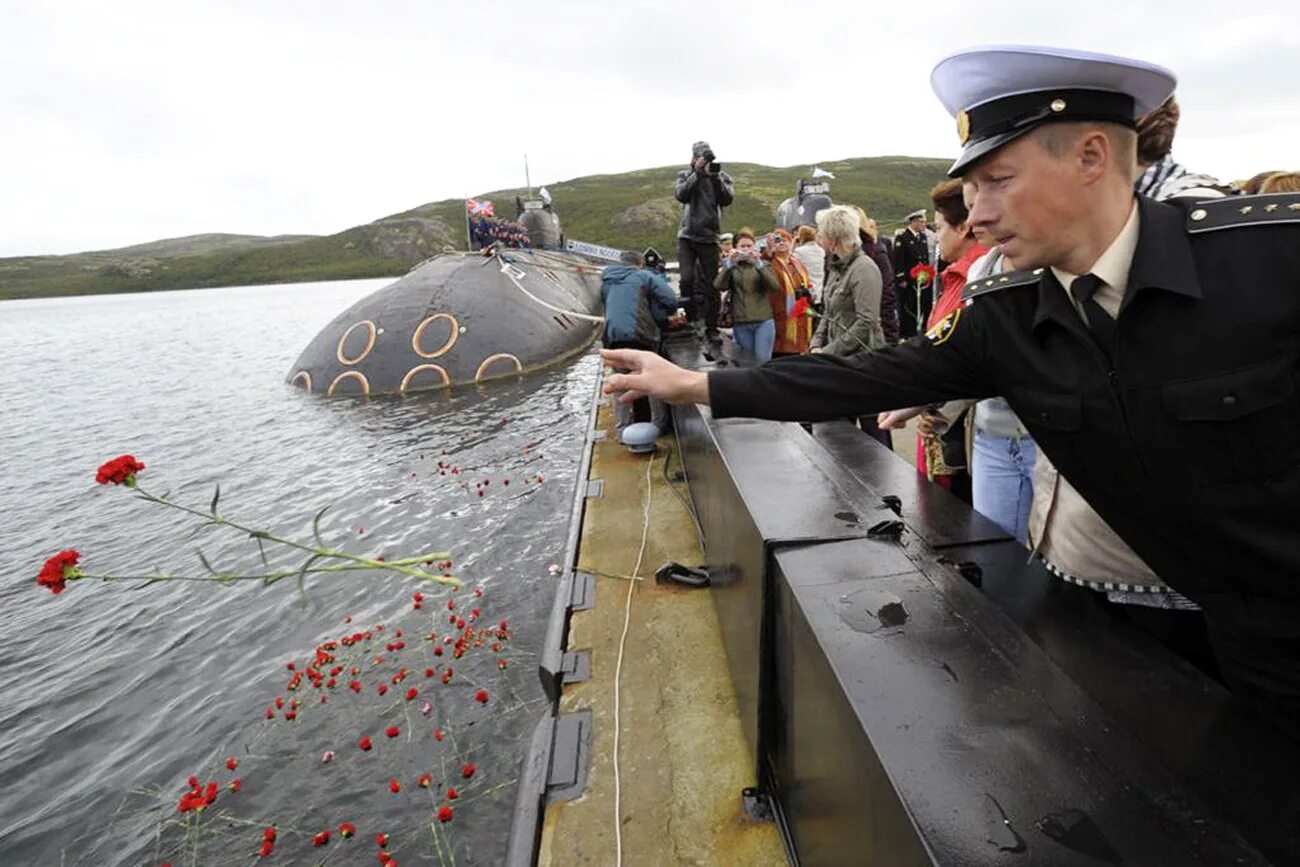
[698, 164]
[932, 424]
[650, 375]
[897, 419]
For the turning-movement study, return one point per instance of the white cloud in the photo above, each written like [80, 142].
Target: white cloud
[138, 120]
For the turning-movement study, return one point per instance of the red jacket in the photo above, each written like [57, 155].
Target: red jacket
[953, 278]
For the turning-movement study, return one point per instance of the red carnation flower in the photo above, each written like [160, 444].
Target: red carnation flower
[467, 770]
[268, 834]
[481, 696]
[425, 781]
[412, 693]
[268, 846]
[394, 786]
[438, 734]
[364, 743]
[437, 651]
[382, 688]
[347, 829]
[236, 784]
[800, 309]
[58, 570]
[452, 794]
[120, 470]
[232, 763]
[355, 686]
[382, 840]
[429, 672]
[392, 731]
[321, 839]
[445, 814]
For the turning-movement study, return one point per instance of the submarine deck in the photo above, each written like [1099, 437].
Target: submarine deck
[683, 758]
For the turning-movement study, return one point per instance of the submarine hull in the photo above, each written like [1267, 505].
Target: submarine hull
[457, 319]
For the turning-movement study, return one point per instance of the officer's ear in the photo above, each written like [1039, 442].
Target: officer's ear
[1095, 154]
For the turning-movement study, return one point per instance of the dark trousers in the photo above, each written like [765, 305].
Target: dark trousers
[640, 406]
[698, 265]
[1257, 647]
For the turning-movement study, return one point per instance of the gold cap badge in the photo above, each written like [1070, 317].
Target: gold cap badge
[963, 126]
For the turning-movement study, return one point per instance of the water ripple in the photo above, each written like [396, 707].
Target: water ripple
[109, 692]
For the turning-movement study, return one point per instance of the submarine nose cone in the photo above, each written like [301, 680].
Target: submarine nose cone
[459, 318]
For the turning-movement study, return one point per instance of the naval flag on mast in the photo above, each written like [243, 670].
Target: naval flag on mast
[477, 208]
[819, 172]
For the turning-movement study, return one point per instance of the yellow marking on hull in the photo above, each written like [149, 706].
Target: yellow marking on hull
[350, 374]
[370, 342]
[500, 356]
[446, 346]
[302, 374]
[420, 368]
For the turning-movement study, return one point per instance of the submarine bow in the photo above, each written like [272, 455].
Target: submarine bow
[457, 319]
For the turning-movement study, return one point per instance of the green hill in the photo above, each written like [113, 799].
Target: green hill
[630, 210]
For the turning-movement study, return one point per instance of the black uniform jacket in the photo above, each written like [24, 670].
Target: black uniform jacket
[909, 251]
[1188, 443]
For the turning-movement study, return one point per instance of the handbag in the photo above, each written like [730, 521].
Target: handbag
[724, 310]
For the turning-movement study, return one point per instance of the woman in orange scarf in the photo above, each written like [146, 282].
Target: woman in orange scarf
[793, 333]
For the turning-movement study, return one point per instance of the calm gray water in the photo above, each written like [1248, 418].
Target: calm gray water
[112, 697]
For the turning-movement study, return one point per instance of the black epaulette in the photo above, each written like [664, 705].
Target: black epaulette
[1009, 280]
[1234, 212]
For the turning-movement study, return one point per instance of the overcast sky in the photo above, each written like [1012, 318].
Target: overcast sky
[131, 121]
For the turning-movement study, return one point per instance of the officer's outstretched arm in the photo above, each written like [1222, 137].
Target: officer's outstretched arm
[950, 362]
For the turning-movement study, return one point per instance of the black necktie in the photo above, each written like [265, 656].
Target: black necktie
[1100, 323]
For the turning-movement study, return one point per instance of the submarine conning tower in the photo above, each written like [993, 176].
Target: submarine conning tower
[538, 217]
[801, 208]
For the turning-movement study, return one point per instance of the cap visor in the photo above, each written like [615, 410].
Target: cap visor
[976, 151]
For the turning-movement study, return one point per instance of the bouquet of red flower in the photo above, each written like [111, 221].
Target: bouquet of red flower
[318, 558]
[922, 275]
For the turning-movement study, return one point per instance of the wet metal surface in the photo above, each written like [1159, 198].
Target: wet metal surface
[908, 715]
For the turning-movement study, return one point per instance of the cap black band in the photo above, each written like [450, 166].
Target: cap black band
[1029, 109]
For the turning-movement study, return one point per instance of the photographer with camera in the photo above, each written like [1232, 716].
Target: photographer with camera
[752, 282]
[704, 189]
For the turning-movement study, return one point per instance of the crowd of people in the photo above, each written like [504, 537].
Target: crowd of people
[837, 288]
[485, 231]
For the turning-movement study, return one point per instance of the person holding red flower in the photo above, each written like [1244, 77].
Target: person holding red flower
[913, 284]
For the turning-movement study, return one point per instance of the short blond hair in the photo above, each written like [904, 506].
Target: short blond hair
[1057, 138]
[839, 224]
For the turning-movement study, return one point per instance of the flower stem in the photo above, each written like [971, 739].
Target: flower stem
[404, 566]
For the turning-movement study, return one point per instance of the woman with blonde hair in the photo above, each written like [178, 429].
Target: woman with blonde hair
[850, 320]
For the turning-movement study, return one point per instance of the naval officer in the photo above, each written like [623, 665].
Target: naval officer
[912, 248]
[1150, 349]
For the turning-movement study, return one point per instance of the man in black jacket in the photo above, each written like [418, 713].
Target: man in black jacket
[704, 189]
[1153, 351]
[912, 248]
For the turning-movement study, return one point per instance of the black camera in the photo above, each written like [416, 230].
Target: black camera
[709, 165]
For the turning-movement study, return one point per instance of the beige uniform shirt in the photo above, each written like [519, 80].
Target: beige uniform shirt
[1074, 540]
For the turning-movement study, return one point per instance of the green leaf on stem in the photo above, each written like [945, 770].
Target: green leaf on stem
[204, 561]
[315, 526]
